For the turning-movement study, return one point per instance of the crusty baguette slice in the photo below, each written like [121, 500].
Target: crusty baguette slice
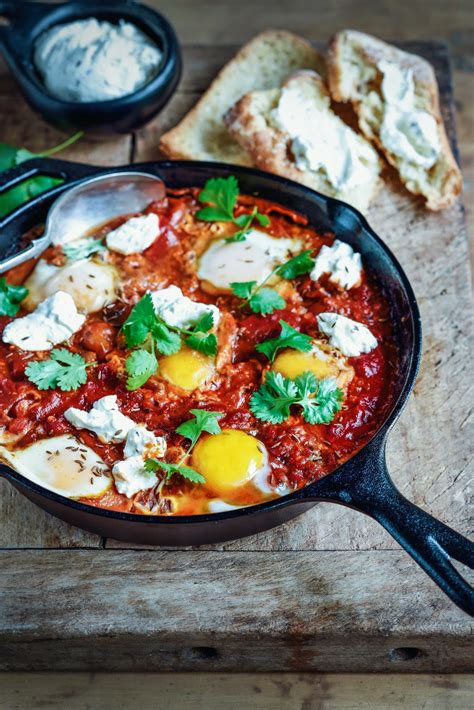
[255, 121]
[262, 63]
[355, 76]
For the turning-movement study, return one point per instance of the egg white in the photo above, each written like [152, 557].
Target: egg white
[251, 260]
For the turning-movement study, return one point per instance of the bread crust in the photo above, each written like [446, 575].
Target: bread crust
[371, 51]
[260, 64]
[268, 146]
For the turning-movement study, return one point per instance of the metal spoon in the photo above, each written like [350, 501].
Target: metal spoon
[90, 204]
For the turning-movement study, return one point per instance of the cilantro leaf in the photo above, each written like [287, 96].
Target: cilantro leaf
[242, 289]
[319, 400]
[265, 301]
[65, 370]
[323, 407]
[139, 322]
[205, 323]
[273, 400]
[140, 366]
[167, 342]
[203, 420]
[289, 338]
[10, 298]
[220, 195]
[170, 469]
[205, 343]
[83, 248]
[301, 264]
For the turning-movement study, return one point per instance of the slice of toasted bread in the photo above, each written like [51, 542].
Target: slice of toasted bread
[358, 67]
[261, 64]
[292, 131]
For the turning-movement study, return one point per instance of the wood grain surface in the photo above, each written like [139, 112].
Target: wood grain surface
[331, 579]
[206, 691]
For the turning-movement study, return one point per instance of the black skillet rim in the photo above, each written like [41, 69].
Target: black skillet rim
[379, 436]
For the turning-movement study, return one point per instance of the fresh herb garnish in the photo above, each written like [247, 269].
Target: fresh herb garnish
[192, 430]
[220, 194]
[83, 248]
[10, 298]
[10, 157]
[266, 300]
[288, 338]
[320, 400]
[145, 329]
[65, 370]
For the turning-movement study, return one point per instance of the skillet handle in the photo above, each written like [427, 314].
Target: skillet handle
[432, 544]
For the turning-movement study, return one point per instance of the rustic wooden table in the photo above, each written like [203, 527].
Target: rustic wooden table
[329, 591]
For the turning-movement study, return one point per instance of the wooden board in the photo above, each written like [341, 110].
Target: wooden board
[328, 591]
[206, 691]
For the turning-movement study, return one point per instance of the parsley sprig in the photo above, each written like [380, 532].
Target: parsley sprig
[65, 370]
[145, 329]
[266, 300]
[220, 195]
[289, 338]
[192, 429]
[319, 400]
[10, 298]
[83, 248]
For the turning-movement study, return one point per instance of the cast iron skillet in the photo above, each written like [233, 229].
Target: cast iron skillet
[27, 20]
[363, 482]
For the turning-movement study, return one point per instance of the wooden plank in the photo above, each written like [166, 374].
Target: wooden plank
[209, 691]
[149, 611]
[434, 250]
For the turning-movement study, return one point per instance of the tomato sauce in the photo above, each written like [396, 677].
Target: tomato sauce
[299, 452]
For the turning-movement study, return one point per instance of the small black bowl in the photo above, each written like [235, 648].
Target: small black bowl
[28, 20]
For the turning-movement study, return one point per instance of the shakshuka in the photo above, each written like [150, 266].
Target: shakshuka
[210, 353]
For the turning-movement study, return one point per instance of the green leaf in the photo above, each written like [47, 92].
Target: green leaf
[242, 289]
[272, 401]
[170, 469]
[323, 407]
[262, 219]
[221, 193]
[83, 248]
[7, 156]
[167, 342]
[213, 214]
[205, 323]
[10, 298]
[320, 401]
[140, 366]
[265, 301]
[288, 338]
[65, 370]
[202, 421]
[203, 342]
[140, 321]
[301, 264]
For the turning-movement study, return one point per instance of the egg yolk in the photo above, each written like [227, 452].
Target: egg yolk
[187, 368]
[291, 363]
[228, 460]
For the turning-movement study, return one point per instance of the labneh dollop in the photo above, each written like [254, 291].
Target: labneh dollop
[88, 60]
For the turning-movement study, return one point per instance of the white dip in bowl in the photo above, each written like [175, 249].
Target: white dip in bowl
[92, 60]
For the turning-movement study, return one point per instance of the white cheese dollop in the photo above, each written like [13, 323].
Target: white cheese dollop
[141, 441]
[321, 142]
[54, 321]
[348, 336]
[131, 476]
[340, 261]
[104, 419]
[178, 310]
[88, 60]
[407, 132]
[91, 284]
[135, 235]
[251, 260]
